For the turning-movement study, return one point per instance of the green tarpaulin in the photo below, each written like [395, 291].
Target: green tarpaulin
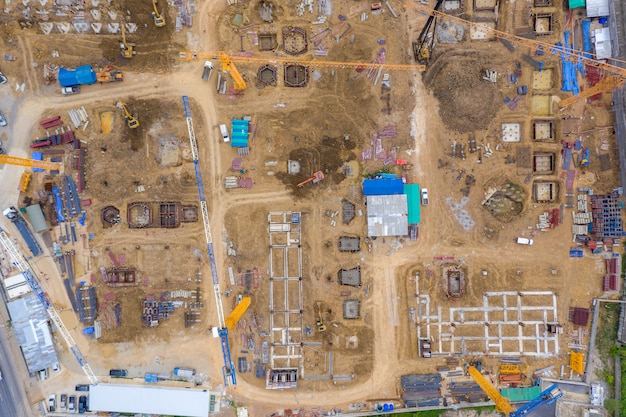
[575, 4]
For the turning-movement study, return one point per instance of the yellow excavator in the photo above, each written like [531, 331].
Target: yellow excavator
[319, 321]
[127, 49]
[159, 21]
[131, 120]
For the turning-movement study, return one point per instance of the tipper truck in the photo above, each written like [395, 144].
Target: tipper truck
[21, 225]
[208, 68]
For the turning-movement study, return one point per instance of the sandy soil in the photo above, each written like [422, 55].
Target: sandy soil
[448, 103]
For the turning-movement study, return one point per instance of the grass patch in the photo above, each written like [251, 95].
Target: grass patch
[608, 324]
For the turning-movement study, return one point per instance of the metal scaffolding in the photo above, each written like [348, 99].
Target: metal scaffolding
[286, 303]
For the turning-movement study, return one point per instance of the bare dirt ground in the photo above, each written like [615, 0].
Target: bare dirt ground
[447, 103]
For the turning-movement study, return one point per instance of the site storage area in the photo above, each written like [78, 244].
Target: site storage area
[149, 400]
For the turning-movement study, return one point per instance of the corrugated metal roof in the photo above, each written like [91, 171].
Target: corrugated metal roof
[149, 400]
[30, 323]
[387, 215]
[412, 192]
[37, 220]
[597, 8]
[383, 186]
[16, 286]
[239, 133]
[602, 43]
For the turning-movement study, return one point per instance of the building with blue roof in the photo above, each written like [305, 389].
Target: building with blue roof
[383, 186]
[239, 133]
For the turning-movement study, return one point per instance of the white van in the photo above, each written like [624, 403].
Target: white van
[224, 131]
[524, 241]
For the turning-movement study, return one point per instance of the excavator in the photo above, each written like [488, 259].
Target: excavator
[131, 120]
[159, 21]
[109, 76]
[317, 177]
[127, 49]
[319, 321]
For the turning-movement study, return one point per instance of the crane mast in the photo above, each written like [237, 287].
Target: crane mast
[18, 260]
[229, 368]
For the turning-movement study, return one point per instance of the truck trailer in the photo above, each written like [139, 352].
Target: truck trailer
[14, 215]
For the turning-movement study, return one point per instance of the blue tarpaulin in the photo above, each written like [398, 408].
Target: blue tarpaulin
[586, 24]
[58, 203]
[570, 82]
[389, 186]
[37, 156]
[81, 75]
[239, 133]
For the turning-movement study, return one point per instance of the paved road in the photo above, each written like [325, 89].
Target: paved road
[12, 397]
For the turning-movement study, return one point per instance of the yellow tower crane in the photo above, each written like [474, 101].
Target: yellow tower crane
[159, 21]
[502, 404]
[604, 85]
[26, 162]
[190, 55]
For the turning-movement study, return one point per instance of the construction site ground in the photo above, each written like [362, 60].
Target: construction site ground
[324, 125]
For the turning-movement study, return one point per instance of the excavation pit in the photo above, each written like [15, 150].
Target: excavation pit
[267, 42]
[296, 75]
[266, 75]
[545, 191]
[110, 216]
[543, 130]
[542, 24]
[543, 163]
[294, 40]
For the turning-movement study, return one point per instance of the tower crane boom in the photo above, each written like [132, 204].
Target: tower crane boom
[26, 162]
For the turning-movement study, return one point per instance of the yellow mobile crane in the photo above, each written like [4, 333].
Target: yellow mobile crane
[127, 49]
[502, 404]
[227, 65]
[159, 21]
[131, 120]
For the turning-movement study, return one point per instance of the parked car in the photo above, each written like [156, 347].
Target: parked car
[52, 403]
[3, 120]
[82, 404]
[82, 387]
[56, 367]
[70, 90]
[63, 402]
[3, 79]
[71, 406]
[524, 241]
[118, 372]
[424, 196]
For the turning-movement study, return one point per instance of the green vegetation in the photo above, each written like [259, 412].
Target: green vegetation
[437, 413]
[608, 324]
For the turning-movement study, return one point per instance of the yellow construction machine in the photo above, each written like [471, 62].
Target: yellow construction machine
[159, 21]
[32, 163]
[131, 120]
[319, 321]
[227, 65]
[127, 49]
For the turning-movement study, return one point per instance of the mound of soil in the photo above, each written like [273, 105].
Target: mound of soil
[467, 102]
